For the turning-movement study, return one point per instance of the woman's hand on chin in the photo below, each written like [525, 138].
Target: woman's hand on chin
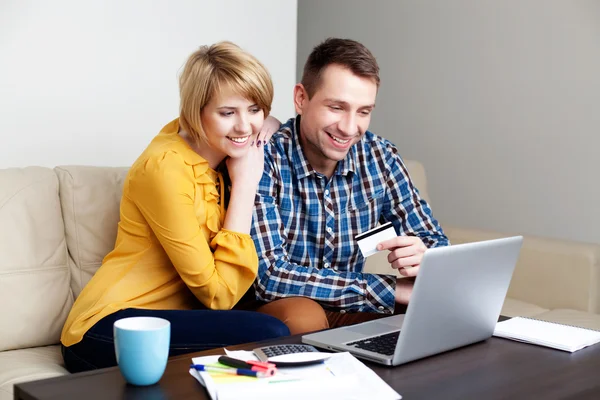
[247, 169]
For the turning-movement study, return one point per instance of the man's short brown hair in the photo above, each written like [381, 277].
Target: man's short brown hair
[347, 53]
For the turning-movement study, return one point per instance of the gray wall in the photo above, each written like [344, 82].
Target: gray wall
[499, 99]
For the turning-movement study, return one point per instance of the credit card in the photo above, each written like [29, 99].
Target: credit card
[368, 241]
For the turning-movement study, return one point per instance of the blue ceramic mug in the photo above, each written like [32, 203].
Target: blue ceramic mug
[142, 348]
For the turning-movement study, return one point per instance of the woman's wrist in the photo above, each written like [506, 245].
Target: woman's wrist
[244, 188]
[239, 212]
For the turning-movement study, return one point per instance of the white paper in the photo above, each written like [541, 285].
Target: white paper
[341, 376]
[243, 355]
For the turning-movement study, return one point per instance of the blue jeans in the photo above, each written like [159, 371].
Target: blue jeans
[191, 331]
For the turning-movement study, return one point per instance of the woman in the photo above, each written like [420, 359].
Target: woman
[178, 255]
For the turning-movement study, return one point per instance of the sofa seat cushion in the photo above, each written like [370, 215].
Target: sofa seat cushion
[24, 365]
[581, 319]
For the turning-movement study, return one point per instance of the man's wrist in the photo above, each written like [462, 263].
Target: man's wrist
[404, 287]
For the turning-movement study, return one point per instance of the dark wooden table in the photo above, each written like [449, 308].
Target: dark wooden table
[493, 369]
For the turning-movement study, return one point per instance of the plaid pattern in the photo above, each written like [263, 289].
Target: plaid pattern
[304, 224]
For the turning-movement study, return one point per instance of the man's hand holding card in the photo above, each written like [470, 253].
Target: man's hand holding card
[405, 252]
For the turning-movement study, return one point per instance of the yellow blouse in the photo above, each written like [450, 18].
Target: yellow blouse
[170, 249]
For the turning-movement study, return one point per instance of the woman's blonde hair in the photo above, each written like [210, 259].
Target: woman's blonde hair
[212, 69]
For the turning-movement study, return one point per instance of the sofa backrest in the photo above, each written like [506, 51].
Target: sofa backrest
[35, 294]
[56, 226]
[89, 198]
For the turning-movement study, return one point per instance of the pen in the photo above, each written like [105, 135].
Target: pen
[266, 367]
[225, 370]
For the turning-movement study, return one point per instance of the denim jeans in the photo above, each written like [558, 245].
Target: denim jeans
[191, 331]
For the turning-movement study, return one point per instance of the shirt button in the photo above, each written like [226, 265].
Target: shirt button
[327, 192]
[342, 311]
[329, 229]
[326, 265]
[380, 308]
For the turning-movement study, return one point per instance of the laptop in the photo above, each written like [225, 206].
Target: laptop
[456, 301]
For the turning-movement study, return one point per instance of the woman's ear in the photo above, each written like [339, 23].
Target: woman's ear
[300, 98]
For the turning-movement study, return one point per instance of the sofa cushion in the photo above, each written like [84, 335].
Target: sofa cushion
[551, 273]
[518, 308]
[34, 276]
[90, 199]
[25, 365]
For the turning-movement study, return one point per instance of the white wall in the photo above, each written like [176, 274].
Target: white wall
[92, 82]
[499, 99]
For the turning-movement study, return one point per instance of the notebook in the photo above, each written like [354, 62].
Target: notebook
[543, 333]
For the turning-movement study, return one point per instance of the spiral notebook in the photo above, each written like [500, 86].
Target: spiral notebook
[543, 333]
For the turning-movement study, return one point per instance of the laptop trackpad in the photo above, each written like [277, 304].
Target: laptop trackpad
[373, 328]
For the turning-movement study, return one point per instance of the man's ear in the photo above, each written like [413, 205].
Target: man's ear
[300, 98]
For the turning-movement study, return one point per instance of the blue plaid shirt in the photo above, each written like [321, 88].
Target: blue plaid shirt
[304, 223]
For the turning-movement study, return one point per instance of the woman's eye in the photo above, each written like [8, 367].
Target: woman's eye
[227, 113]
[255, 110]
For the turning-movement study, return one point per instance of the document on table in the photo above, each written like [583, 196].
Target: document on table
[340, 376]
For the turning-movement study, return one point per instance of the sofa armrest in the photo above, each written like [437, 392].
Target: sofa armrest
[550, 273]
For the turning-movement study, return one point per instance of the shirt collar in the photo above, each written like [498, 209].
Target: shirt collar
[302, 167]
[348, 164]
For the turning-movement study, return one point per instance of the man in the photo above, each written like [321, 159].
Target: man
[326, 180]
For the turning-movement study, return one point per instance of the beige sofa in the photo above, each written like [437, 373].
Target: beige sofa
[56, 225]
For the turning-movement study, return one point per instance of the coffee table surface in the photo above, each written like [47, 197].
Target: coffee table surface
[493, 369]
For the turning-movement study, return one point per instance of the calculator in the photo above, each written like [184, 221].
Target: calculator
[277, 354]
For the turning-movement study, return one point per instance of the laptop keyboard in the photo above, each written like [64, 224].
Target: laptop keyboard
[383, 344]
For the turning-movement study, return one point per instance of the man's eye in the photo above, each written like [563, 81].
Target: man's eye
[337, 108]
[365, 112]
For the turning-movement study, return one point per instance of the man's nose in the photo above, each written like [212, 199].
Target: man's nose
[348, 124]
